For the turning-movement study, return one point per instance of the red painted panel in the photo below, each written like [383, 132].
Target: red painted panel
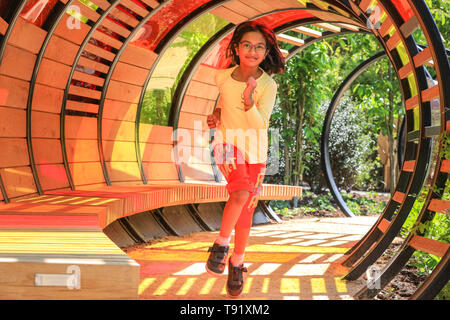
[161, 23]
[36, 11]
[403, 8]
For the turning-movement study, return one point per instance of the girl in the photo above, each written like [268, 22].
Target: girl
[247, 96]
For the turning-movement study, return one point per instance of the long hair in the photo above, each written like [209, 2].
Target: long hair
[273, 62]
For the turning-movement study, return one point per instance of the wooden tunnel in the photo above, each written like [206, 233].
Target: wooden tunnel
[83, 174]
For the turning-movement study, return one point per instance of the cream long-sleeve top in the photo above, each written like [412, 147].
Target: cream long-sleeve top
[247, 130]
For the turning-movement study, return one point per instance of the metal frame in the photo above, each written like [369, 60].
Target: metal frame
[162, 46]
[106, 86]
[105, 13]
[3, 43]
[324, 145]
[37, 65]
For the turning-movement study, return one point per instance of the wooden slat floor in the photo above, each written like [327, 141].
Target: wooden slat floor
[296, 259]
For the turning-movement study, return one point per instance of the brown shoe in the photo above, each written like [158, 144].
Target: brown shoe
[217, 259]
[235, 282]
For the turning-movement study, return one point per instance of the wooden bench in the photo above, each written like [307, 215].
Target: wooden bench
[41, 237]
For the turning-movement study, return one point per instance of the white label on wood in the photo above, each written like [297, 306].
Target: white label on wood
[71, 279]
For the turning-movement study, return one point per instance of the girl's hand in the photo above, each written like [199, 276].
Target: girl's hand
[213, 119]
[248, 92]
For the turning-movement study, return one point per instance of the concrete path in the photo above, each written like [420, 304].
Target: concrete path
[296, 259]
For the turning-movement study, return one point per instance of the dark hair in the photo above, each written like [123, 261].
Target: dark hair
[274, 61]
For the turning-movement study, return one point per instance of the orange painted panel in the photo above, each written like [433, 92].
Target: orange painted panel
[84, 92]
[17, 63]
[160, 171]
[118, 130]
[44, 125]
[399, 197]
[53, 74]
[202, 90]
[82, 150]
[47, 99]
[119, 151]
[116, 28]
[151, 3]
[130, 74]
[122, 16]
[192, 155]
[47, 151]
[61, 50]
[104, 4]
[99, 51]
[422, 57]
[52, 176]
[18, 181]
[125, 92]
[205, 74]
[442, 206]
[198, 105]
[409, 165]
[155, 152]
[88, 78]
[93, 65]
[87, 173]
[260, 5]
[445, 166]
[193, 138]
[155, 134]
[228, 15]
[27, 36]
[13, 92]
[123, 171]
[134, 7]
[192, 121]
[71, 29]
[13, 152]
[3, 28]
[243, 9]
[81, 128]
[200, 172]
[88, 12]
[432, 246]
[12, 122]
[430, 93]
[107, 39]
[118, 110]
[81, 106]
[138, 56]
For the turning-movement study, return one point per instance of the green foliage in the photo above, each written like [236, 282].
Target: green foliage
[157, 102]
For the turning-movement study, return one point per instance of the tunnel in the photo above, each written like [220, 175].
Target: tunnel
[83, 162]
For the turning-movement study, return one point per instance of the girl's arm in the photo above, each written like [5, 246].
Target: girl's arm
[259, 116]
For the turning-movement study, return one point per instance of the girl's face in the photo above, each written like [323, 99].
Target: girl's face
[252, 49]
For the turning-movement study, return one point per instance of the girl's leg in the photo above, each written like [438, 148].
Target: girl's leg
[231, 213]
[244, 223]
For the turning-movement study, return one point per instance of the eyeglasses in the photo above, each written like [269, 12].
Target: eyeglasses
[259, 48]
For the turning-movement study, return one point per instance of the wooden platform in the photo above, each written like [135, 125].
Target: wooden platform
[60, 236]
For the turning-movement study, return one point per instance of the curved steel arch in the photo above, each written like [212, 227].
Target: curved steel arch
[324, 146]
[3, 43]
[160, 49]
[409, 184]
[105, 87]
[88, 36]
[34, 76]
